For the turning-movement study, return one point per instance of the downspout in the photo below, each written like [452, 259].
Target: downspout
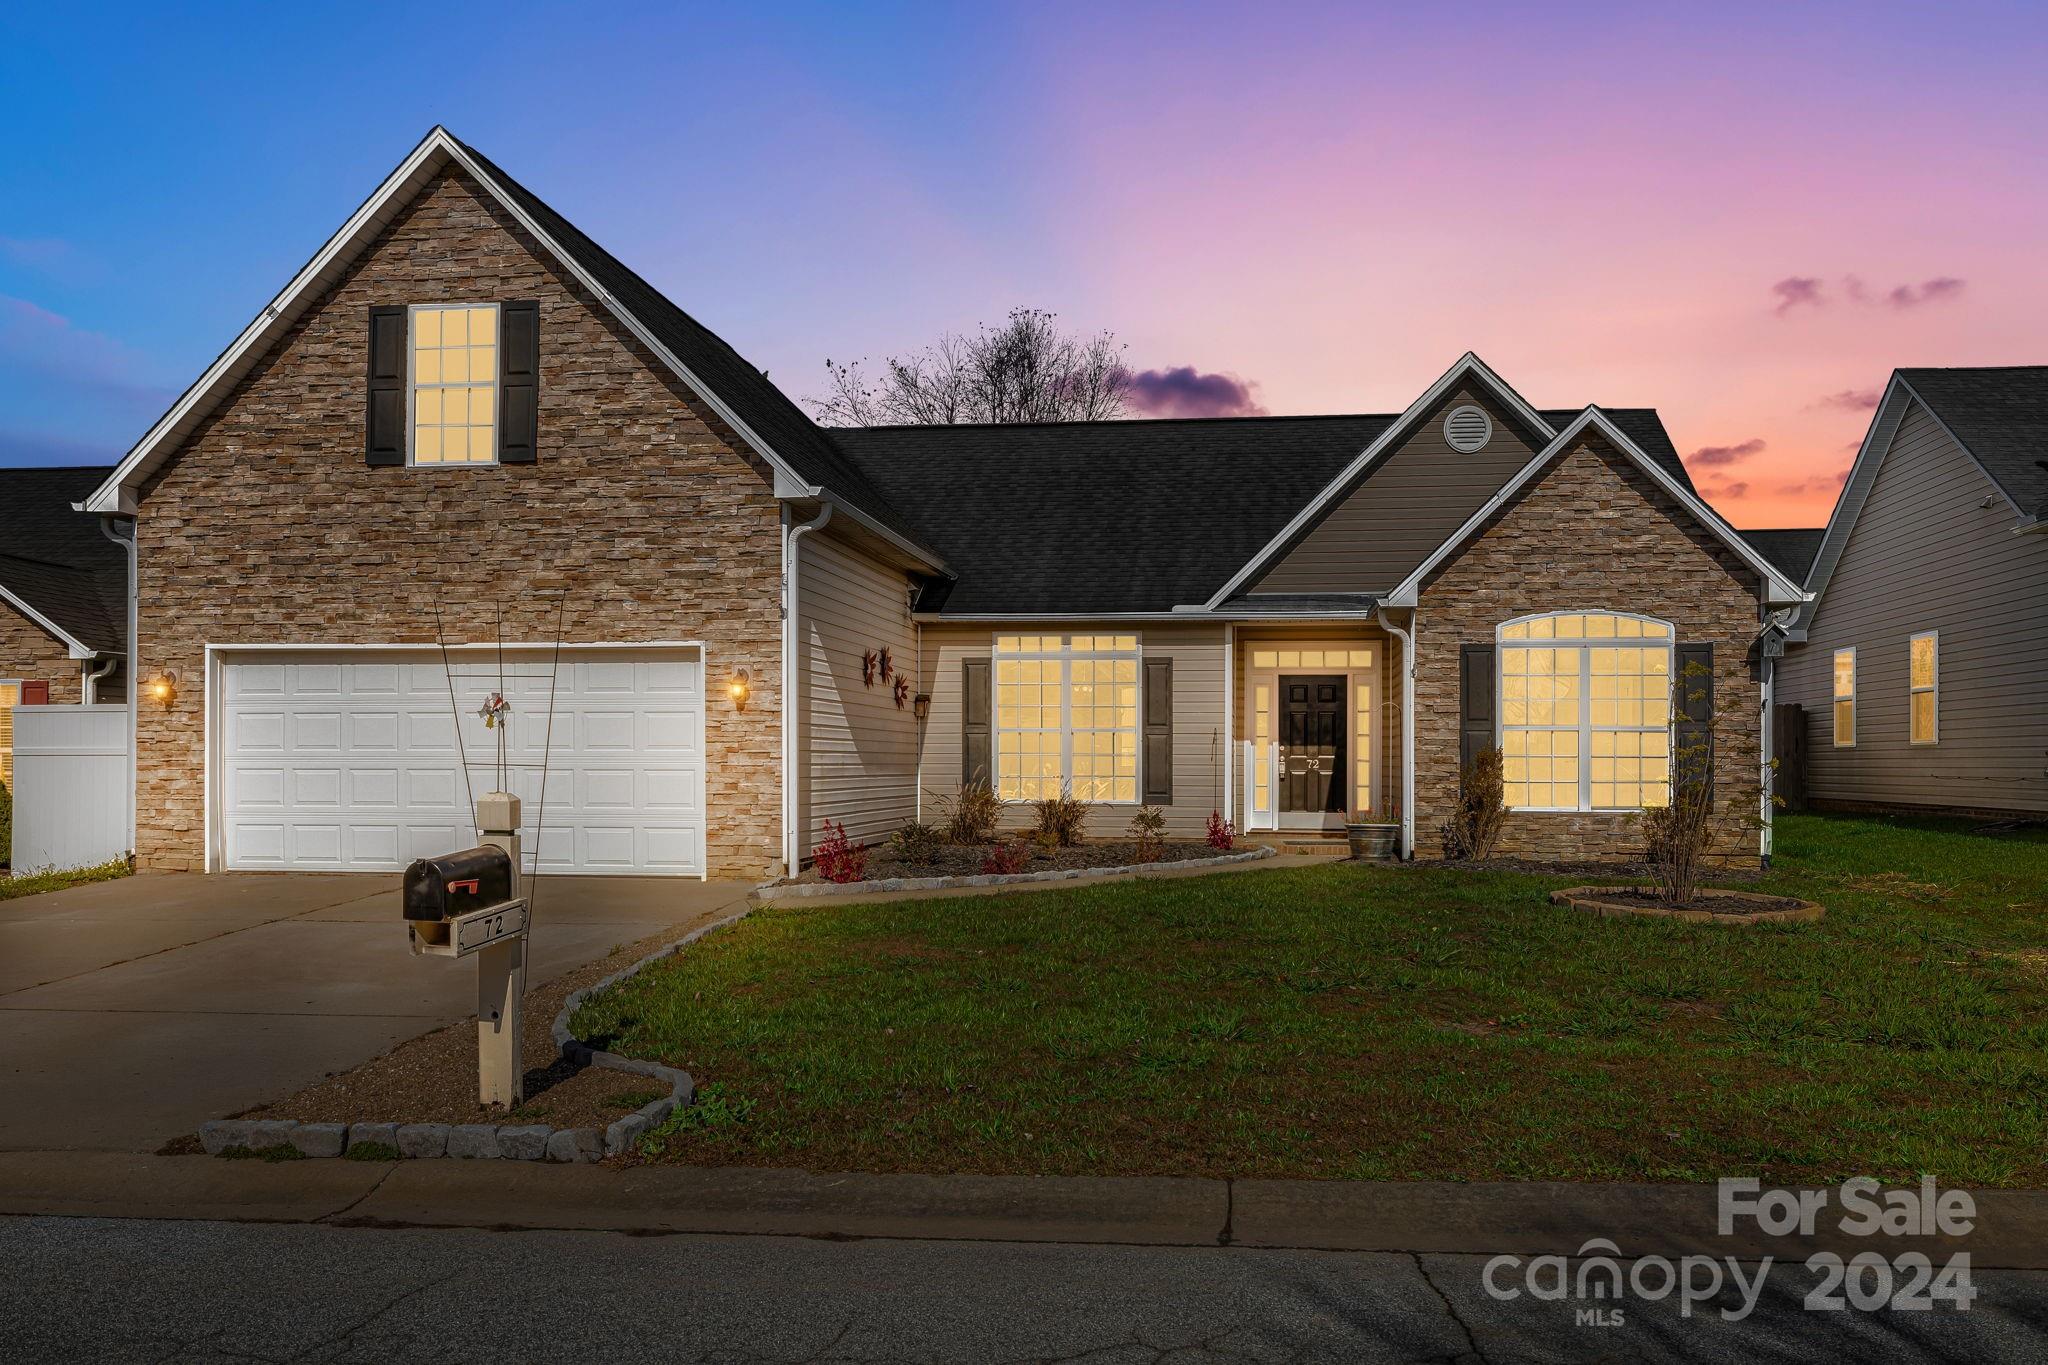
[127, 542]
[90, 692]
[792, 843]
[1407, 640]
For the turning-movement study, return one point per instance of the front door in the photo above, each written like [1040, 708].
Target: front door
[1312, 754]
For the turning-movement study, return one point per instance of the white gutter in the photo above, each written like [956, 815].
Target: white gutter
[792, 836]
[134, 679]
[1407, 728]
[89, 691]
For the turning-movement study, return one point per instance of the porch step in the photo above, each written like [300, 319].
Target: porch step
[1315, 845]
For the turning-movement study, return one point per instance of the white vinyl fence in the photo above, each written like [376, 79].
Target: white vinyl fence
[70, 786]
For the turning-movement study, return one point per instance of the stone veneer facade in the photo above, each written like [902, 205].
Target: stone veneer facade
[1593, 534]
[30, 653]
[266, 526]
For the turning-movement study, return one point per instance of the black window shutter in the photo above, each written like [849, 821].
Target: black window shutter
[1475, 704]
[518, 383]
[976, 704]
[384, 425]
[1692, 710]
[1158, 782]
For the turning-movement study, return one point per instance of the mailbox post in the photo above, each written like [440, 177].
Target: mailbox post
[472, 904]
[501, 971]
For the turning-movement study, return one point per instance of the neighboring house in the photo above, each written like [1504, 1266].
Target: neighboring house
[1922, 662]
[463, 404]
[63, 598]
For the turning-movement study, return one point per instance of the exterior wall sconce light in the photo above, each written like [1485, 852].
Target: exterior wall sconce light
[163, 688]
[921, 705]
[740, 688]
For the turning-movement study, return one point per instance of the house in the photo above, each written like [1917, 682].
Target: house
[1921, 665]
[63, 598]
[465, 433]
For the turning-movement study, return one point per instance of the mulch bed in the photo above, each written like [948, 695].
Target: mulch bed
[432, 1078]
[962, 860]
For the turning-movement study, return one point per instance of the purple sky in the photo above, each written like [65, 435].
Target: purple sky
[1741, 216]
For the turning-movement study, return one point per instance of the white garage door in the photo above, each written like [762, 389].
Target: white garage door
[348, 761]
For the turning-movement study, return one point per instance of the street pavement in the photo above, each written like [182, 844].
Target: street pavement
[141, 1290]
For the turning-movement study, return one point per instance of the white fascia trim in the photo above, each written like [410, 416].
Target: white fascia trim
[1855, 489]
[75, 649]
[1409, 591]
[324, 647]
[116, 494]
[1468, 366]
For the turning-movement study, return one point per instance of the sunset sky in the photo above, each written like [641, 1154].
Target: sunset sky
[1745, 219]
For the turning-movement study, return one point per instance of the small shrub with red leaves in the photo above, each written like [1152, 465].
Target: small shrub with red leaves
[837, 858]
[1004, 860]
[1222, 834]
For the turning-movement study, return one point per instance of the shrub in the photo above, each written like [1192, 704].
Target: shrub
[1148, 829]
[837, 858]
[973, 814]
[1004, 860]
[917, 844]
[1680, 837]
[1475, 822]
[1060, 819]
[1222, 834]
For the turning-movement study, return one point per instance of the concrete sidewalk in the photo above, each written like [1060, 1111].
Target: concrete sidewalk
[2011, 1229]
[132, 1010]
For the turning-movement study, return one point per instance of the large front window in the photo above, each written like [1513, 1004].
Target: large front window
[455, 384]
[1585, 711]
[1067, 717]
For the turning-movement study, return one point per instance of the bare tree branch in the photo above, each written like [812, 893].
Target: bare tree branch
[1027, 370]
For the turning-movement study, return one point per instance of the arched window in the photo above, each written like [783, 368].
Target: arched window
[1585, 711]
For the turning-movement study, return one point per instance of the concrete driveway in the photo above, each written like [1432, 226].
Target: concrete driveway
[132, 1010]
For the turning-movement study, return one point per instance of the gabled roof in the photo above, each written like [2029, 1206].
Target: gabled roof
[1790, 549]
[55, 565]
[804, 459]
[1122, 518]
[1778, 586]
[1997, 414]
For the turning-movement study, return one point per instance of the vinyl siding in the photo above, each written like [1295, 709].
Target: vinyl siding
[856, 751]
[1415, 500]
[1197, 654]
[1925, 554]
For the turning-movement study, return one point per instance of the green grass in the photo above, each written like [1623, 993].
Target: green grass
[35, 883]
[1370, 1022]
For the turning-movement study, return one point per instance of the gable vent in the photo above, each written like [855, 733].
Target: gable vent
[1468, 429]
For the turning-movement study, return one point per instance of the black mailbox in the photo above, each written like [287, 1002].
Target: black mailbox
[454, 884]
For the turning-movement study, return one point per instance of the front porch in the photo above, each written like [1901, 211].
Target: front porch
[1315, 730]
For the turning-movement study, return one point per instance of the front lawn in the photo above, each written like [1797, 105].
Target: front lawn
[1367, 1022]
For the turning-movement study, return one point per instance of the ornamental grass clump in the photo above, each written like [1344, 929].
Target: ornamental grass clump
[972, 814]
[1060, 819]
[917, 844]
[1475, 822]
[1148, 832]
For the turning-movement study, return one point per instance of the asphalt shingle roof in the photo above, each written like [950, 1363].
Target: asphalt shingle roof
[57, 560]
[1790, 550]
[1080, 517]
[802, 443]
[2001, 414]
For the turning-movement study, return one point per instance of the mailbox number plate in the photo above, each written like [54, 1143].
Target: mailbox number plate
[485, 927]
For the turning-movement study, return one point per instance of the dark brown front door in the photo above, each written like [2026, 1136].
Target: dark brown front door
[1312, 743]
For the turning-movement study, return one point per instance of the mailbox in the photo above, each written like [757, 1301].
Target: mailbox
[457, 884]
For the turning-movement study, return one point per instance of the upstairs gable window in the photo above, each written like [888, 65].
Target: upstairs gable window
[454, 383]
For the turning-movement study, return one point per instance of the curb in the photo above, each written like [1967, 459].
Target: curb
[775, 891]
[486, 1141]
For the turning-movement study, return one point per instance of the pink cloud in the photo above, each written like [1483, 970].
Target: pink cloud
[1184, 391]
[1931, 291]
[1725, 455]
[1851, 400]
[1795, 290]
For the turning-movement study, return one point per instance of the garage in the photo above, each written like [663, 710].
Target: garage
[351, 760]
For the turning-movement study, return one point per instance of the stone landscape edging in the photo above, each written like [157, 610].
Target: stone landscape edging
[1587, 898]
[776, 891]
[490, 1141]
